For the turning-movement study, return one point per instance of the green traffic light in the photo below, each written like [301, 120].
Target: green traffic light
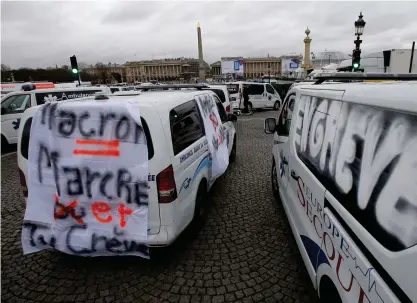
[355, 65]
[75, 71]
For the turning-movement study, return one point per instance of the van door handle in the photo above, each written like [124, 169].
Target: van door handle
[294, 175]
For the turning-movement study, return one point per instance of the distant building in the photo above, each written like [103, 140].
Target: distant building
[252, 67]
[258, 67]
[163, 69]
[216, 70]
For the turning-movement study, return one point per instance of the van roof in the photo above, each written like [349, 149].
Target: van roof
[51, 90]
[247, 82]
[397, 95]
[162, 100]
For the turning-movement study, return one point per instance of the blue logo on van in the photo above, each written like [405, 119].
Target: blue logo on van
[205, 162]
[16, 123]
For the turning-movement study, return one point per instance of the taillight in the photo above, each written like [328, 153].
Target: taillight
[167, 190]
[23, 183]
[228, 109]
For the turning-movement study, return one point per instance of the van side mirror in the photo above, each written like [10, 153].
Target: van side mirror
[232, 117]
[270, 125]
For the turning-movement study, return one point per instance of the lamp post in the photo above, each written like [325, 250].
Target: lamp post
[356, 56]
[269, 72]
[313, 58]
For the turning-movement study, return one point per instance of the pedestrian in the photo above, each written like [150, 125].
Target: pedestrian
[246, 99]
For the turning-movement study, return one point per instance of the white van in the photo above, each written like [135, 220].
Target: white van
[344, 166]
[261, 95]
[14, 104]
[179, 161]
[223, 94]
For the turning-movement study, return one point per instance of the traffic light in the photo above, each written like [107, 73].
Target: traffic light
[356, 60]
[74, 64]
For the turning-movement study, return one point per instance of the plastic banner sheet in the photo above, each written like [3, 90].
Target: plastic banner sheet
[87, 180]
[216, 135]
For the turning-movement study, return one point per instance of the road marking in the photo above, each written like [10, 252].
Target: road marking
[8, 154]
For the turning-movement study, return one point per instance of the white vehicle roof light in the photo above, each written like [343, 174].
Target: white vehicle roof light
[28, 87]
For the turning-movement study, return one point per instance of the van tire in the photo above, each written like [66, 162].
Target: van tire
[201, 204]
[232, 157]
[328, 291]
[274, 181]
[4, 144]
[276, 105]
[250, 107]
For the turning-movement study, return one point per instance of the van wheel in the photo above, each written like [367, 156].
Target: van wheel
[250, 107]
[201, 204]
[328, 291]
[4, 144]
[274, 180]
[232, 157]
[276, 106]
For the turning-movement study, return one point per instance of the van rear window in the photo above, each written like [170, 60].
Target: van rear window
[218, 92]
[24, 146]
[233, 88]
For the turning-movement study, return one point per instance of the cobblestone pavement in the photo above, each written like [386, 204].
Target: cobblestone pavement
[244, 253]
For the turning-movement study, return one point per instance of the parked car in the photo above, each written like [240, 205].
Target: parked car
[179, 162]
[261, 95]
[15, 103]
[344, 167]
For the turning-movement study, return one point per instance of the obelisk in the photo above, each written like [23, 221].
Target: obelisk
[201, 67]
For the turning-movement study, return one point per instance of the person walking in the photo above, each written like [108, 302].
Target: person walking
[246, 100]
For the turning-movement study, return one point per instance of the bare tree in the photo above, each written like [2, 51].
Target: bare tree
[5, 68]
[103, 72]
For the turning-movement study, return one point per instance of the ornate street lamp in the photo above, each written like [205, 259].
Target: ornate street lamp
[359, 25]
[356, 56]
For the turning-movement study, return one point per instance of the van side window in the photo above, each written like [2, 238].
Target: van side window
[270, 89]
[256, 89]
[186, 126]
[15, 104]
[220, 108]
[285, 116]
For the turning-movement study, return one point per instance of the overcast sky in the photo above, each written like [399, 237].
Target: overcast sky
[41, 34]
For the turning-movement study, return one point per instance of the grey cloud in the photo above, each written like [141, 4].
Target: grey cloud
[47, 33]
[132, 12]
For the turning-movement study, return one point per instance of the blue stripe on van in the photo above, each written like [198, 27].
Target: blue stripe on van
[205, 162]
[315, 253]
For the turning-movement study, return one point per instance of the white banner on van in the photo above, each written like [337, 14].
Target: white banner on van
[216, 135]
[88, 180]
